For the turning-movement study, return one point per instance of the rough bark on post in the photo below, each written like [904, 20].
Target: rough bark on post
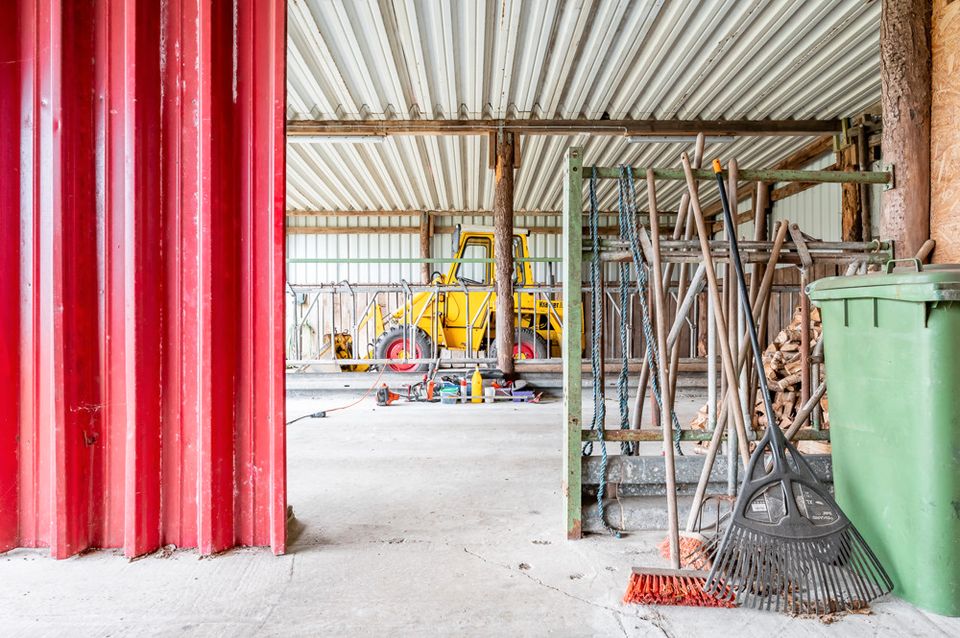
[503, 249]
[851, 221]
[945, 132]
[905, 60]
[425, 268]
[761, 212]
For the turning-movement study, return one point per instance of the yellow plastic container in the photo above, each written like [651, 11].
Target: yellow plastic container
[476, 386]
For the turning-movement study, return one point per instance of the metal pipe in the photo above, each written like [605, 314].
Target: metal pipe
[737, 321]
[804, 338]
[790, 258]
[711, 366]
[766, 175]
[816, 417]
[646, 436]
[762, 303]
[719, 246]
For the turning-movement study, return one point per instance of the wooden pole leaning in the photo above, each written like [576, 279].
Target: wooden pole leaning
[666, 405]
[714, 288]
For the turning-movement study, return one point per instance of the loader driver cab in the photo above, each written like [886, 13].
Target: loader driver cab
[481, 273]
[473, 273]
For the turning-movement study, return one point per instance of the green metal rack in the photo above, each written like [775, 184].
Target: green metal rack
[573, 255]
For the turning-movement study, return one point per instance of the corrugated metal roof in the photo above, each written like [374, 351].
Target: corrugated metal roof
[664, 59]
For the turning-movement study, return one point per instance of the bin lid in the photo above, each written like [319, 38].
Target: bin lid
[901, 279]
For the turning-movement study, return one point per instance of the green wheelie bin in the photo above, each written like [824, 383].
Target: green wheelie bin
[892, 350]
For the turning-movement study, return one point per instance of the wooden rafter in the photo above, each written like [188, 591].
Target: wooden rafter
[297, 128]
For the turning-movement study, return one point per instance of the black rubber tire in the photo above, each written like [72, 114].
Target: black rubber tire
[526, 336]
[396, 333]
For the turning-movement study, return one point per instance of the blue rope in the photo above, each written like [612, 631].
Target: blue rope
[622, 392]
[596, 317]
[628, 230]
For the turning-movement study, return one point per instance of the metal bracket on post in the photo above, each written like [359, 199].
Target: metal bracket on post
[888, 168]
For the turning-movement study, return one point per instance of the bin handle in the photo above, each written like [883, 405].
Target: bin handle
[913, 260]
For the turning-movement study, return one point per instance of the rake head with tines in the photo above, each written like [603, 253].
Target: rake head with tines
[788, 545]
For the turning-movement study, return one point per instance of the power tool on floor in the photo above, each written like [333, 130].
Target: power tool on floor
[385, 397]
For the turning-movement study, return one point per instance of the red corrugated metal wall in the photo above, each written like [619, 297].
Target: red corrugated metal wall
[141, 274]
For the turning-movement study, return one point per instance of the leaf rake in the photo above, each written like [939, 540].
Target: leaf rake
[787, 546]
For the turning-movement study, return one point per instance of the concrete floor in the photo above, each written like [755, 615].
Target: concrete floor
[413, 520]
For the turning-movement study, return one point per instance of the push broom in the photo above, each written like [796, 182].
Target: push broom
[788, 546]
[675, 586]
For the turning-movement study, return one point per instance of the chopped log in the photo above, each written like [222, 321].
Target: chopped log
[782, 366]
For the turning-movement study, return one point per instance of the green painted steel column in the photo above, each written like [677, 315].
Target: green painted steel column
[572, 331]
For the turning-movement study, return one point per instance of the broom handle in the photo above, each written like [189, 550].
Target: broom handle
[773, 430]
[683, 211]
[666, 407]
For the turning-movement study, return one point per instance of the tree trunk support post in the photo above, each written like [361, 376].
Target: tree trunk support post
[851, 212]
[905, 76]
[503, 248]
[425, 236]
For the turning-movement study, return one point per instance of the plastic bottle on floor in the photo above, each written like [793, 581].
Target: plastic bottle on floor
[476, 389]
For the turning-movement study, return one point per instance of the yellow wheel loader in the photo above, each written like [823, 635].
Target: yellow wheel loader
[465, 319]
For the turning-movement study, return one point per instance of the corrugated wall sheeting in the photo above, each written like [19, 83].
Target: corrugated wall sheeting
[392, 245]
[816, 210]
[141, 275]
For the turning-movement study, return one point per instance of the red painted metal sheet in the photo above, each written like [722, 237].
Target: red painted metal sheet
[141, 239]
[9, 285]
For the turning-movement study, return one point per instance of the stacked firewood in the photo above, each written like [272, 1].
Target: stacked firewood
[782, 367]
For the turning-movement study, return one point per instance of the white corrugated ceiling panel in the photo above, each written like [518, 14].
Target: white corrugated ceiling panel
[673, 59]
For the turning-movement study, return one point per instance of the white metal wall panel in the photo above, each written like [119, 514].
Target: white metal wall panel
[346, 245]
[816, 210]
[389, 245]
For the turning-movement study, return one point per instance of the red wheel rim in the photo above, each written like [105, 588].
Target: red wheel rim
[524, 351]
[396, 350]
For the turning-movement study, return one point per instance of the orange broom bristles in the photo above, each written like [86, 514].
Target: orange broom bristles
[691, 551]
[669, 587]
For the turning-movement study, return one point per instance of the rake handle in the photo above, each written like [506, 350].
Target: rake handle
[731, 230]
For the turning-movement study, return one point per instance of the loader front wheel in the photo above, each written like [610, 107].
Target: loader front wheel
[527, 344]
[397, 343]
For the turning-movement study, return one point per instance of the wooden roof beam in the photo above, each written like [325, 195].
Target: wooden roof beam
[629, 128]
